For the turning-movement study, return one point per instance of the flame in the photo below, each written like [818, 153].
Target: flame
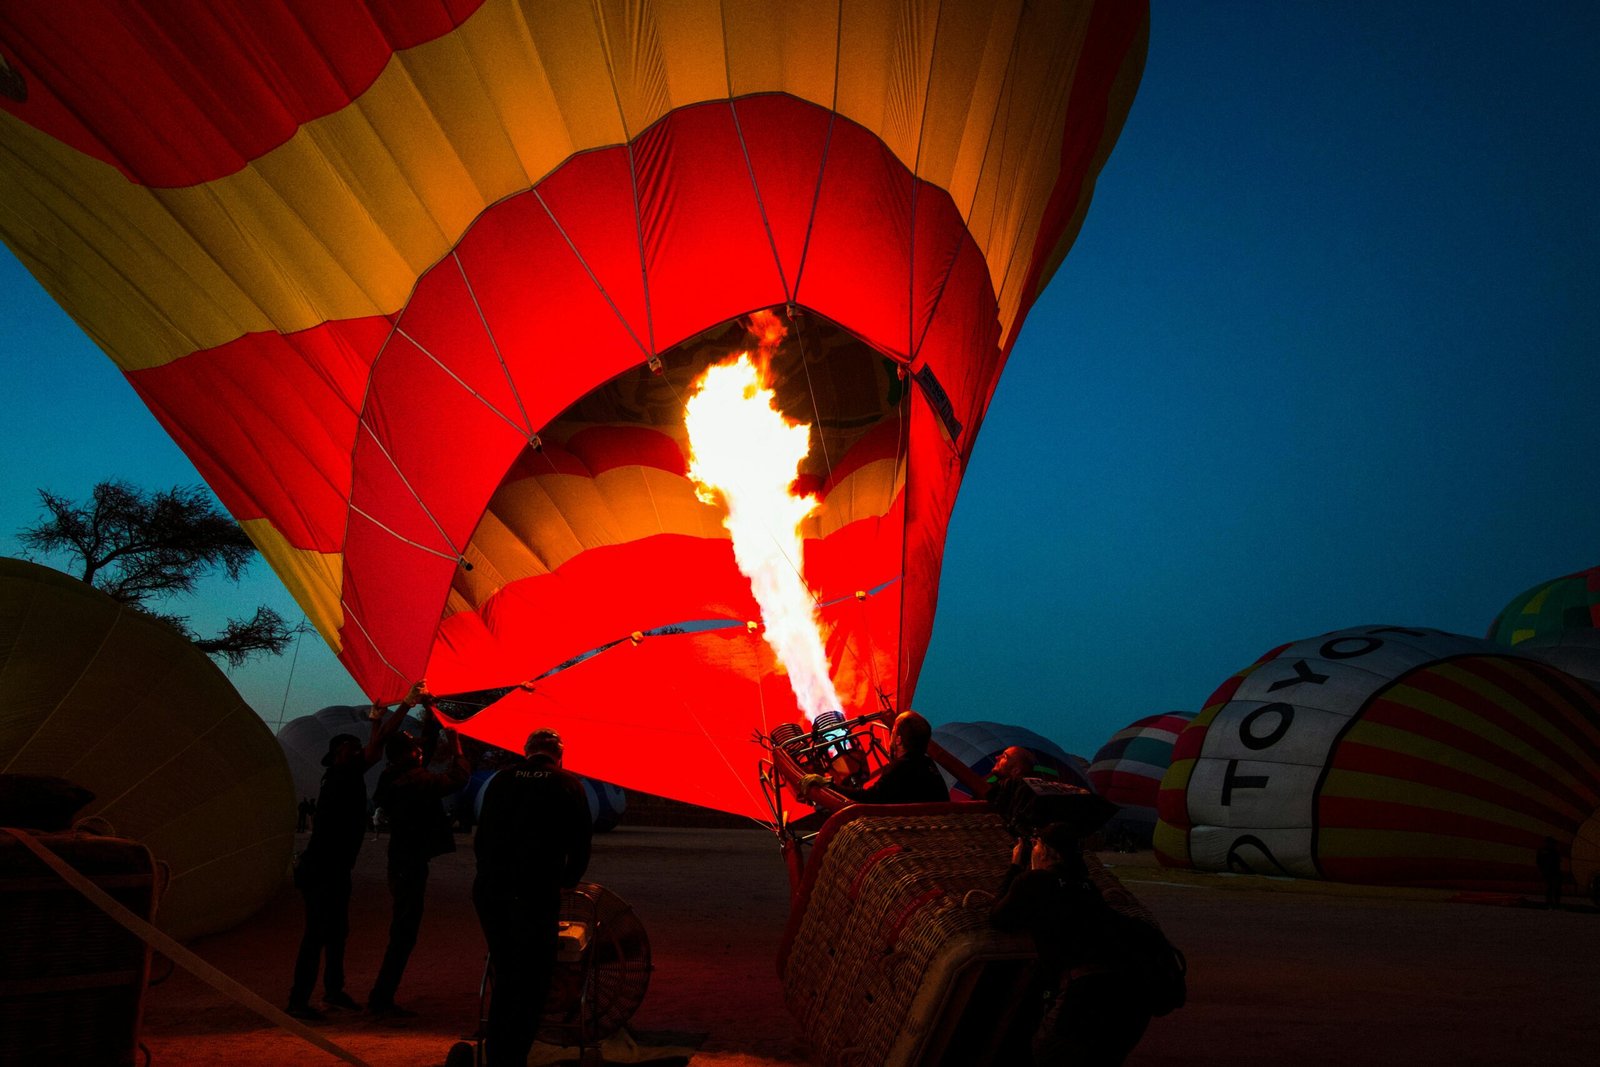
[744, 454]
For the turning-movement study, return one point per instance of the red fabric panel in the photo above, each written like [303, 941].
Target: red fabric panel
[442, 318]
[933, 475]
[962, 343]
[555, 330]
[388, 586]
[1113, 29]
[450, 450]
[785, 141]
[608, 592]
[857, 268]
[594, 598]
[705, 245]
[270, 422]
[603, 448]
[592, 199]
[862, 555]
[673, 715]
[184, 91]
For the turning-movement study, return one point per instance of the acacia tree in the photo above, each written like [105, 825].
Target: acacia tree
[140, 546]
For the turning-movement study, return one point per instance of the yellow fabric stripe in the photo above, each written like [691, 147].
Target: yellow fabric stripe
[339, 221]
[1360, 786]
[1447, 711]
[1407, 844]
[314, 579]
[1390, 739]
[535, 525]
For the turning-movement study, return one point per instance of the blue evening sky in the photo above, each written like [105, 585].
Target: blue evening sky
[1325, 354]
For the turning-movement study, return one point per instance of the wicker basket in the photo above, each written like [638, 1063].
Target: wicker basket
[71, 980]
[883, 962]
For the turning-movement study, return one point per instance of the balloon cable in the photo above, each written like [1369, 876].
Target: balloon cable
[294, 659]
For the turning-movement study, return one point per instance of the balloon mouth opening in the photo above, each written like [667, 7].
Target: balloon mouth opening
[606, 481]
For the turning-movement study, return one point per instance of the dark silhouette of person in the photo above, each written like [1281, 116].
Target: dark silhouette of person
[1048, 894]
[533, 838]
[910, 776]
[1548, 859]
[323, 872]
[302, 814]
[411, 797]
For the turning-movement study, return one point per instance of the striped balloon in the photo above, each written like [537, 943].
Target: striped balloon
[1385, 754]
[1127, 770]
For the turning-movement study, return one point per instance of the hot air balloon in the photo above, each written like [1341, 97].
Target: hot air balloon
[1128, 769]
[122, 704]
[1550, 608]
[420, 287]
[979, 744]
[1385, 754]
[1558, 622]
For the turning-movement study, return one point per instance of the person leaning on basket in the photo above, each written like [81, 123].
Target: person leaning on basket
[323, 873]
[910, 777]
[1102, 1016]
[533, 838]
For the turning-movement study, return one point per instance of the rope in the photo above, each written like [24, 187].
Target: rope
[174, 951]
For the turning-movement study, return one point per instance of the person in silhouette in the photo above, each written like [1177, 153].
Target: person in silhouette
[412, 796]
[1548, 859]
[533, 838]
[323, 872]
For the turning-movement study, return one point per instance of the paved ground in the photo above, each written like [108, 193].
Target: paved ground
[1281, 972]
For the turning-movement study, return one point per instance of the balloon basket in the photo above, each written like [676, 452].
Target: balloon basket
[888, 957]
[75, 978]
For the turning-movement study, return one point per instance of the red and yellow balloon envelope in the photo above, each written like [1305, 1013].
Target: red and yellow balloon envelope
[394, 277]
[1386, 754]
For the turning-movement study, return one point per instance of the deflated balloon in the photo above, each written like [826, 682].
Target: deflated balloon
[1385, 754]
[122, 704]
[1128, 769]
[419, 288]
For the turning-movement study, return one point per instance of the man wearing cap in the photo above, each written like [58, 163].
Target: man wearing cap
[533, 838]
[412, 796]
[323, 873]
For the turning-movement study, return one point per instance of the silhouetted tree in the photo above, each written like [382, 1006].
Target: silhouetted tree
[139, 546]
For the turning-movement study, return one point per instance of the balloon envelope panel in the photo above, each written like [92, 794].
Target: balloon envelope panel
[1571, 602]
[305, 741]
[1385, 754]
[124, 705]
[1127, 770]
[325, 244]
